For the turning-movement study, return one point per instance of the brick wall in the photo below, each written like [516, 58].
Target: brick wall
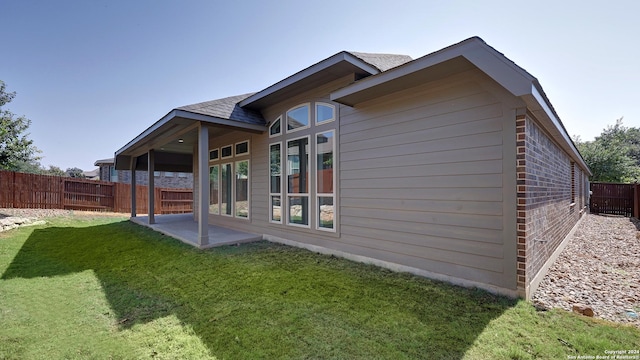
[547, 178]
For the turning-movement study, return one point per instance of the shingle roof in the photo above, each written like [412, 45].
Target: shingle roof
[226, 108]
[382, 62]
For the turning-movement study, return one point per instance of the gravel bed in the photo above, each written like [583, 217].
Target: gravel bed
[599, 268]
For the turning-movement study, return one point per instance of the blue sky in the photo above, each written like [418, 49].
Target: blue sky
[91, 75]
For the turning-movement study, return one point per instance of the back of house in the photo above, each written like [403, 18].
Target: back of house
[452, 166]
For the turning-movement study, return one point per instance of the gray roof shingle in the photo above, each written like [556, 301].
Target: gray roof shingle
[226, 108]
[382, 62]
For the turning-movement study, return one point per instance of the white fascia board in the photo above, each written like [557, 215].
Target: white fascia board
[322, 65]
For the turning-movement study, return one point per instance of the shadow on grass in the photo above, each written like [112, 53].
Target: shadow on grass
[263, 299]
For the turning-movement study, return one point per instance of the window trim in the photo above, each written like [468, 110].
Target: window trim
[286, 116]
[307, 194]
[333, 112]
[279, 118]
[235, 189]
[221, 151]
[233, 183]
[272, 194]
[217, 154]
[219, 175]
[235, 148]
[318, 194]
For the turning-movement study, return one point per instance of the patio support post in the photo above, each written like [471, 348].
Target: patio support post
[133, 187]
[203, 185]
[151, 196]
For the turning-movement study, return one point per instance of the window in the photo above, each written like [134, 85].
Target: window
[225, 189]
[324, 113]
[242, 189]
[156, 173]
[182, 175]
[242, 148]
[325, 180]
[274, 129]
[214, 187]
[227, 152]
[214, 154]
[302, 173]
[168, 174]
[275, 183]
[298, 118]
[297, 181]
[573, 182]
[113, 174]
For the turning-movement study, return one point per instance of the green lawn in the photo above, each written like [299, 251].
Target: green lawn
[103, 288]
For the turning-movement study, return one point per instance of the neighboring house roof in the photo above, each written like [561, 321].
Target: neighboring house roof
[109, 161]
[92, 174]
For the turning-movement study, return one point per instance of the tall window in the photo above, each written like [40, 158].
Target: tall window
[302, 160]
[225, 187]
[573, 182]
[214, 187]
[297, 181]
[275, 182]
[325, 180]
[242, 188]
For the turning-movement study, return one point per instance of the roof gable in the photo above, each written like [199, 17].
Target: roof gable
[382, 62]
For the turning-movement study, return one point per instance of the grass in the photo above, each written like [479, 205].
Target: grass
[84, 288]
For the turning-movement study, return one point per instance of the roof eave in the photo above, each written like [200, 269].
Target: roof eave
[313, 69]
[513, 78]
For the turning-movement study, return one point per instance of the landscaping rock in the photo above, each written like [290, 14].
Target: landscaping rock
[600, 267]
[583, 309]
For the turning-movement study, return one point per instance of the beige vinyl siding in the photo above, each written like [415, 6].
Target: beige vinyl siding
[421, 179]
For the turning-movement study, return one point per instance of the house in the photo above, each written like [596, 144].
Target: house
[453, 166]
[166, 179]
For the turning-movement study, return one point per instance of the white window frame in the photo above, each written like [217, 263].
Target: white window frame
[226, 157]
[235, 200]
[307, 194]
[333, 110]
[244, 153]
[286, 117]
[218, 155]
[219, 175]
[231, 197]
[280, 194]
[333, 175]
[272, 124]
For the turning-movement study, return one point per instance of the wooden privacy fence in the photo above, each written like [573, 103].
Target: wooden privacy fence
[20, 190]
[615, 199]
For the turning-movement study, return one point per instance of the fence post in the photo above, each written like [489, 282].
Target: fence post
[636, 204]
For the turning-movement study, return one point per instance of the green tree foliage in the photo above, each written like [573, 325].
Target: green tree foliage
[17, 152]
[54, 170]
[614, 156]
[75, 172]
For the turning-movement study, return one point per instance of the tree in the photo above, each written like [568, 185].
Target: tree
[614, 156]
[17, 152]
[75, 172]
[54, 170]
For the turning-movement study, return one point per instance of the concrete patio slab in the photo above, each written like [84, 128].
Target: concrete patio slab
[184, 228]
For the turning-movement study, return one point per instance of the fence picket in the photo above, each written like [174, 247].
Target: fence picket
[21, 190]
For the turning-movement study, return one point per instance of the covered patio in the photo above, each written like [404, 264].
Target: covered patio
[184, 228]
[179, 142]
